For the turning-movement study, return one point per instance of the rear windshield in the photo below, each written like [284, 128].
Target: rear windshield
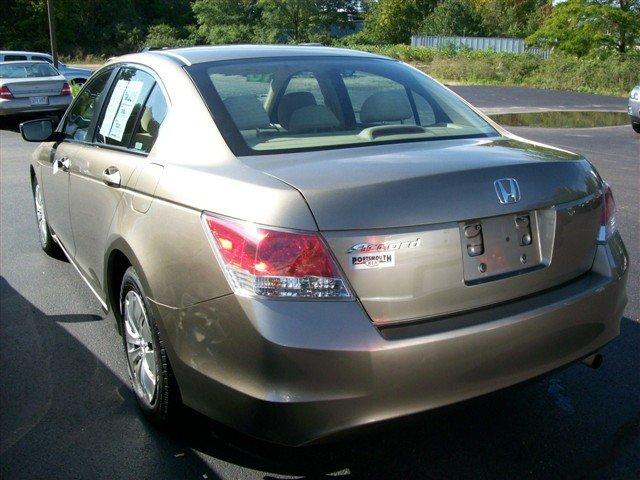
[313, 103]
[27, 70]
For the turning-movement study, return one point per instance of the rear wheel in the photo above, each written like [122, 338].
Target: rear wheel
[47, 242]
[636, 126]
[149, 369]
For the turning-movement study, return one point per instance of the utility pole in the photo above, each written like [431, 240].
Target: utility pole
[52, 33]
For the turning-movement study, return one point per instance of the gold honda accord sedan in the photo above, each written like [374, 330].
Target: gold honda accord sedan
[297, 241]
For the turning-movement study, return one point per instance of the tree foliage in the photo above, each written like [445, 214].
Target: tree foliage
[94, 26]
[512, 18]
[163, 35]
[304, 20]
[454, 17]
[227, 21]
[394, 21]
[577, 27]
[582, 27]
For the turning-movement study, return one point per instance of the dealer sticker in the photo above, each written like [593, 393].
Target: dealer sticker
[360, 261]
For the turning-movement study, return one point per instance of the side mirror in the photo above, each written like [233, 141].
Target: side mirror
[38, 130]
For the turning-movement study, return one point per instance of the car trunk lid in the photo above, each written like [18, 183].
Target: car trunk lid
[395, 217]
[35, 87]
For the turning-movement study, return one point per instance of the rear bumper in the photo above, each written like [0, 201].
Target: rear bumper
[23, 105]
[294, 372]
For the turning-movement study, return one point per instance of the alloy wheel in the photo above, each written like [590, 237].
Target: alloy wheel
[42, 219]
[141, 353]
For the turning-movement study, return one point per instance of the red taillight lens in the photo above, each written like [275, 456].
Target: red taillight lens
[608, 224]
[66, 89]
[274, 263]
[5, 93]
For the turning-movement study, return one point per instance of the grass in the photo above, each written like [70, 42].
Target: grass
[562, 119]
[75, 88]
[610, 76]
[88, 60]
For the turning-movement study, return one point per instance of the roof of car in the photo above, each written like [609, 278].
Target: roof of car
[201, 54]
[21, 62]
[22, 52]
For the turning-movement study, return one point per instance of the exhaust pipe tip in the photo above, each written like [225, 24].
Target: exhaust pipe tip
[593, 361]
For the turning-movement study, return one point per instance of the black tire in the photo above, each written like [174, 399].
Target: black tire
[636, 126]
[45, 236]
[166, 403]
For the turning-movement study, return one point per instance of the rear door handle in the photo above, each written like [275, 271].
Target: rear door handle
[61, 164]
[111, 176]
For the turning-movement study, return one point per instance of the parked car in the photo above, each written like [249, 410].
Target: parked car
[297, 241]
[634, 108]
[72, 74]
[28, 86]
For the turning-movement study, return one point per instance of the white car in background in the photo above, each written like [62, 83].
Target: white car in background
[634, 108]
[72, 74]
[30, 86]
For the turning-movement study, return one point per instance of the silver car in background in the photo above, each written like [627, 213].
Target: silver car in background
[29, 86]
[634, 108]
[72, 74]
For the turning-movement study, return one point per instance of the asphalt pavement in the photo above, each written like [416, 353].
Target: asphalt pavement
[66, 410]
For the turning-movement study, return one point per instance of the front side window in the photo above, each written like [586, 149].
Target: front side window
[123, 107]
[84, 108]
[293, 104]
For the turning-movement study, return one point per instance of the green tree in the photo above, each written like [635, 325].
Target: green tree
[619, 22]
[454, 17]
[163, 35]
[304, 20]
[175, 13]
[23, 25]
[227, 21]
[89, 26]
[512, 18]
[582, 27]
[394, 21]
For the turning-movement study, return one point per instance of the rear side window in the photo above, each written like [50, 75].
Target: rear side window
[149, 121]
[14, 58]
[84, 108]
[425, 111]
[123, 107]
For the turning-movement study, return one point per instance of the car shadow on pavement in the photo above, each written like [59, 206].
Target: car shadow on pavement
[80, 424]
[576, 423]
[12, 123]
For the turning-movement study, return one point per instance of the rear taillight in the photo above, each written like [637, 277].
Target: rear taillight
[5, 93]
[272, 262]
[66, 90]
[608, 224]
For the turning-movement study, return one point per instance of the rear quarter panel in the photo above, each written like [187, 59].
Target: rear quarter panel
[157, 223]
